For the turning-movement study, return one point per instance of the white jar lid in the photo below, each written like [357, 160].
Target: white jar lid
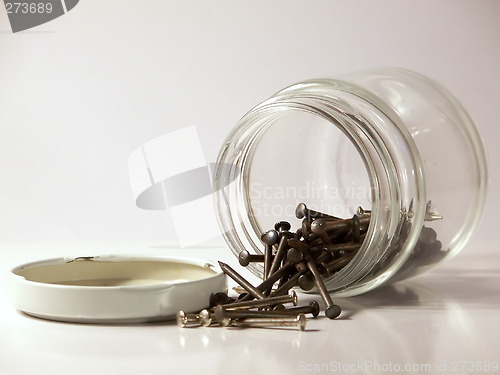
[114, 289]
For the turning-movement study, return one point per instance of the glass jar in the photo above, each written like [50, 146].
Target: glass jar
[389, 140]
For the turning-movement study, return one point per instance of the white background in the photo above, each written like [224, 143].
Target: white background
[79, 94]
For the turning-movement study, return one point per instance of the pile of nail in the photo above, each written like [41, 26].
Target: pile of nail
[322, 246]
[263, 312]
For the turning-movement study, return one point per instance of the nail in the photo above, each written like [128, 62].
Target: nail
[282, 226]
[323, 225]
[264, 302]
[242, 296]
[221, 313]
[289, 284]
[204, 319]
[299, 321]
[241, 280]
[340, 236]
[349, 247]
[347, 237]
[427, 235]
[184, 320]
[294, 255]
[283, 278]
[268, 260]
[324, 257]
[434, 247]
[267, 284]
[303, 212]
[245, 258]
[293, 242]
[306, 229]
[356, 232]
[269, 239]
[332, 310]
[429, 214]
[305, 282]
[410, 209]
[360, 211]
[312, 308]
[302, 266]
[280, 253]
[339, 263]
[282, 271]
[323, 269]
[325, 238]
[219, 298]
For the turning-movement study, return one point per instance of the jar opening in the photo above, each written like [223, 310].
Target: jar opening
[301, 157]
[298, 131]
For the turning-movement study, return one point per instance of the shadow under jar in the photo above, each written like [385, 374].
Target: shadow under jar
[389, 140]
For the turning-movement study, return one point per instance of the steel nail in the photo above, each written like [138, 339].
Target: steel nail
[360, 211]
[193, 320]
[245, 258]
[280, 253]
[282, 226]
[303, 212]
[356, 232]
[325, 238]
[205, 318]
[221, 313]
[269, 239]
[349, 247]
[294, 255]
[324, 257]
[299, 321]
[289, 284]
[323, 225]
[293, 242]
[312, 308]
[219, 298]
[332, 310]
[427, 235]
[267, 284]
[306, 229]
[282, 271]
[339, 263]
[264, 302]
[305, 282]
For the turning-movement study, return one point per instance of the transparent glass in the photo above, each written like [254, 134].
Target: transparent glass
[388, 140]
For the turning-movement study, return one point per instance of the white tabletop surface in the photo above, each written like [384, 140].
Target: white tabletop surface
[445, 321]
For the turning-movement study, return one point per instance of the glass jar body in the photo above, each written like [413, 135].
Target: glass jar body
[390, 140]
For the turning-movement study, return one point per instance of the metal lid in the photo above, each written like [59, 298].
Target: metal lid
[114, 289]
